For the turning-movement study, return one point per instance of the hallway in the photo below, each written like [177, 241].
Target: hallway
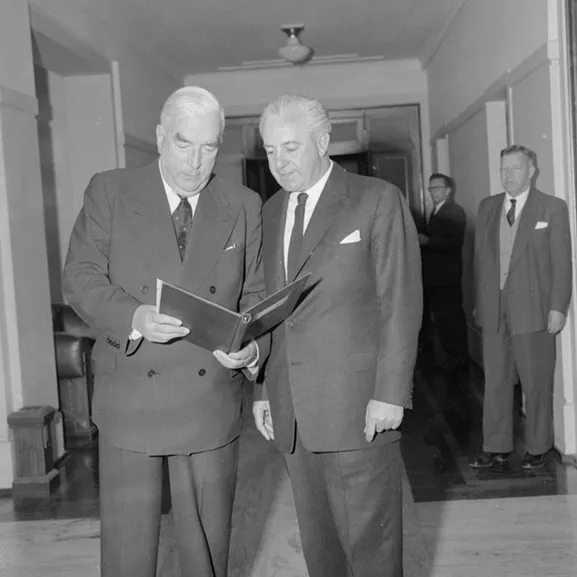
[456, 524]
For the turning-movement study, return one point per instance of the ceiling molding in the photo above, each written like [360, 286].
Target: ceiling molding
[434, 43]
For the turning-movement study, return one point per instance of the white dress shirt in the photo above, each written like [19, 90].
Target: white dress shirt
[314, 193]
[521, 200]
[174, 199]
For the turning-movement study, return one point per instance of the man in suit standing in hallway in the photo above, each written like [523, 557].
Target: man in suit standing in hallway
[158, 397]
[441, 247]
[340, 372]
[523, 289]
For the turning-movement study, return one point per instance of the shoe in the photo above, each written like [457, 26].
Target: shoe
[531, 462]
[488, 460]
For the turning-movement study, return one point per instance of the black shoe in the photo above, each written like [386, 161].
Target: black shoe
[489, 460]
[531, 462]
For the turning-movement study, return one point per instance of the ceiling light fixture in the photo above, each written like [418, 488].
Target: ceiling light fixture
[294, 51]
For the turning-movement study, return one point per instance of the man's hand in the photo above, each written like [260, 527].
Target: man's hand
[243, 358]
[423, 239]
[155, 327]
[556, 322]
[262, 418]
[381, 417]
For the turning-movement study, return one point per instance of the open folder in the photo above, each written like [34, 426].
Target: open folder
[214, 327]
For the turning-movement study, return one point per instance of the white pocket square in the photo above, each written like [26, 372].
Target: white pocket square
[541, 224]
[353, 237]
[231, 247]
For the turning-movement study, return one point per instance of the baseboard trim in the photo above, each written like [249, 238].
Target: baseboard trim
[570, 459]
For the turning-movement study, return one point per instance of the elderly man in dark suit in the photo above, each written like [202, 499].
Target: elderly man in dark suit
[523, 263]
[441, 246]
[158, 397]
[340, 372]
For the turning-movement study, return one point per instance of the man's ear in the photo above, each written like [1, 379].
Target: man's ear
[159, 137]
[323, 143]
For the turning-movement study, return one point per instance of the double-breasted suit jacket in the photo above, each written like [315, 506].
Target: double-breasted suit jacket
[540, 271]
[161, 398]
[353, 337]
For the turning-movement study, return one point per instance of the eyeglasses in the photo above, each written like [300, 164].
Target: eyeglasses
[431, 188]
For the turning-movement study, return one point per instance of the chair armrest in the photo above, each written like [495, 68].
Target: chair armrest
[71, 352]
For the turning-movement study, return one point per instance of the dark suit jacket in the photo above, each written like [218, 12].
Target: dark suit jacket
[161, 398]
[539, 278]
[442, 256]
[353, 338]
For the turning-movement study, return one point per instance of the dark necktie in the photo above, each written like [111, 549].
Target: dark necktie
[182, 218]
[296, 239]
[511, 212]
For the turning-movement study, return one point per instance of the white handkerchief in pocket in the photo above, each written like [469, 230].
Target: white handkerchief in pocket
[353, 237]
[231, 247]
[541, 224]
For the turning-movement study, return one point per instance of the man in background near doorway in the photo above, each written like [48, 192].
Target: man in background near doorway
[523, 289]
[159, 398]
[441, 254]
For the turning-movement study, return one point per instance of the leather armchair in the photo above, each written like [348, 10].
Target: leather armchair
[73, 342]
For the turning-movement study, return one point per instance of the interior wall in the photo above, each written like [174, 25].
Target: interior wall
[76, 138]
[144, 84]
[486, 39]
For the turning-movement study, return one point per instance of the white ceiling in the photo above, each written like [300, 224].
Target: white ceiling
[193, 36]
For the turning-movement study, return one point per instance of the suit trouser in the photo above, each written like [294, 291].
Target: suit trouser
[445, 305]
[349, 510]
[202, 489]
[531, 358]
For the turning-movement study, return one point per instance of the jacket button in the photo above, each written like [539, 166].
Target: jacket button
[290, 324]
[202, 372]
[144, 289]
[151, 373]
[212, 290]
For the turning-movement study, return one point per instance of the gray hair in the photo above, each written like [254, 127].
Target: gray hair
[519, 149]
[313, 111]
[192, 100]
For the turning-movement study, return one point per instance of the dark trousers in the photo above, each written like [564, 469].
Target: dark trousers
[349, 510]
[531, 359]
[443, 310]
[202, 489]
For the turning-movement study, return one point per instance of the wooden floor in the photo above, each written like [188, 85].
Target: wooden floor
[456, 523]
[513, 537]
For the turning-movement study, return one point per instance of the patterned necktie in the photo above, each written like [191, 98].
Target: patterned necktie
[296, 239]
[511, 212]
[182, 218]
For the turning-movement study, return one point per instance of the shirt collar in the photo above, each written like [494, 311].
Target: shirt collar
[173, 197]
[520, 198]
[314, 192]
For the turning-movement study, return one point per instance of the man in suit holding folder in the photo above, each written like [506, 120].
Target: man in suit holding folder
[340, 372]
[157, 396]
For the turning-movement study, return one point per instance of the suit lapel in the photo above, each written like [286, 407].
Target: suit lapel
[330, 204]
[273, 241]
[527, 222]
[212, 226]
[149, 215]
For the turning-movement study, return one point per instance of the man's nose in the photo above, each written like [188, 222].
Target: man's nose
[280, 161]
[195, 158]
